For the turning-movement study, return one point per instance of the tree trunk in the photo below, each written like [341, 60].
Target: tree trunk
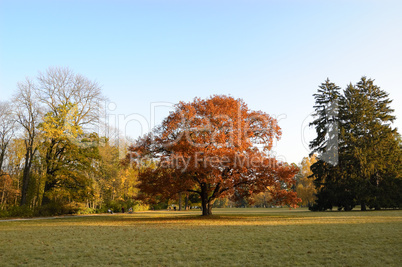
[206, 208]
[25, 185]
[206, 205]
[2, 155]
[49, 185]
[209, 206]
[206, 202]
[26, 178]
[179, 201]
[186, 202]
[348, 207]
[363, 206]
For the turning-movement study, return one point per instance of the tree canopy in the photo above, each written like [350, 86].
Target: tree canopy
[213, 147]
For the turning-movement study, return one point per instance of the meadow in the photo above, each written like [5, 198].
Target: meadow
[231, 237]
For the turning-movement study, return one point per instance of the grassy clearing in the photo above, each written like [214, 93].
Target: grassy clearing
[232, 237]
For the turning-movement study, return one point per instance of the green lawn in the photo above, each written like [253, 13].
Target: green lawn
[232, 237]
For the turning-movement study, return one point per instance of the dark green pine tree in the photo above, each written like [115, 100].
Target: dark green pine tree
[325, 145]
[369, 146]
[326, 122]
[360, 155]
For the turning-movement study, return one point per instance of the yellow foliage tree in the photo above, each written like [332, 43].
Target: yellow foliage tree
[304, 186]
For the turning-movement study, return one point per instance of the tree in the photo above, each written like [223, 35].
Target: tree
[367, 150]
[7, 129]
[72, 103]
[28, 114]
[370, 147]
[304, 186]
[57, 112]
[8, 190]
[15, 163]
[109, 167]
[262, 199]
[213, 147]
[325, 171]
[56, 161]
[62, 87]
[326, 123]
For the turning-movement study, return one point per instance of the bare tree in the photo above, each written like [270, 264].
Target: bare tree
[7, 128]
[61, 87]
[28, 114]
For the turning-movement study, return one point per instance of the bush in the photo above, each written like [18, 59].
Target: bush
[140, 206]
[102, 210]
[3, 214]
[17, 211]
[58, 208]
[86, 211]
[81, 208]
[115, 206]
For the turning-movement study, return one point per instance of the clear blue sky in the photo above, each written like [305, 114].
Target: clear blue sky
[273, 54]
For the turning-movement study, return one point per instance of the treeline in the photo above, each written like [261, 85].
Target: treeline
[360, 152]
[56, 158]
[53, 159]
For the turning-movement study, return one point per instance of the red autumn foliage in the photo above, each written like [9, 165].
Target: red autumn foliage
[8, 190]
[213, 147]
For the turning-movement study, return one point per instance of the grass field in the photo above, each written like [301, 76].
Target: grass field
[232, 237]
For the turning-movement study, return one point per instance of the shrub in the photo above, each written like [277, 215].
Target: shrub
[58, 208]
[3, 214]
[17, 211]
[140, 206]
[86, 211]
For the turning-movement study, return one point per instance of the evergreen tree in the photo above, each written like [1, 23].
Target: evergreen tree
[326, 122]
[325, 170]
[370, 147]
[368, 168]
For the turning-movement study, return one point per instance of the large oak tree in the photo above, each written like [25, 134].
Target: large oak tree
[213, 147]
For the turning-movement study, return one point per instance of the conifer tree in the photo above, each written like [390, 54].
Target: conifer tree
[365, 149]
[326, 124]
[370, 147]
